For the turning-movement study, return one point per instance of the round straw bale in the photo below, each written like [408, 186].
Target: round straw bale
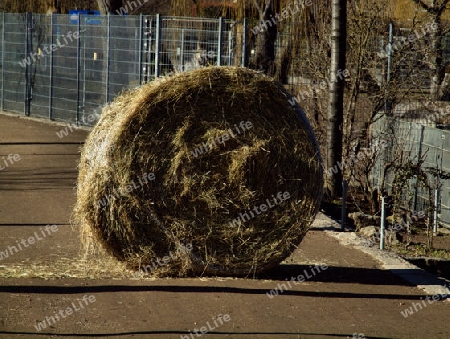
[213, 171]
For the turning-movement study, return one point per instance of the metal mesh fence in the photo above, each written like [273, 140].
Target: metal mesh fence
[38, 64]
[65, 67]
[178, 44]
[13, 74]
[121, 54]
[415, 141]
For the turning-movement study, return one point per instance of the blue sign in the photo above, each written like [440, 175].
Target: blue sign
[74, 14]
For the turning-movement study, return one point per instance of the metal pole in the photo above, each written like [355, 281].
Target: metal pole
[419, 156]
[435, 212]
[158, 34]
[141, 27]
[244, 43]
[230, 47]
[182, 51]
[383, 218]
[50, 94]
[2, 103]
[390, 52]
[108, 56]
[344, 203]
[28, 50]
[26, 66]
[388, 77]
[148, 52]
[77, 119]
[219, 43]
[84, 71]
[438, 188]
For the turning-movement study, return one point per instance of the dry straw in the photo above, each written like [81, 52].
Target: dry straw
[154, 128]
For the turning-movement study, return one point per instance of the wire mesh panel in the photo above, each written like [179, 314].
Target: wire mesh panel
[66, 68]
[417, 141]
[93, 64]
[15, 62]
[40, 48]
[125, 54]
[432, 148]
[2, 57]
[178, 44]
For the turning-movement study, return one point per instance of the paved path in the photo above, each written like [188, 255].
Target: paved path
[354, 294]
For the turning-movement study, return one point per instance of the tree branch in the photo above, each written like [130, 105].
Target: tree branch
[258, 7]
[423, 5]
[437, 10]
[443, 6]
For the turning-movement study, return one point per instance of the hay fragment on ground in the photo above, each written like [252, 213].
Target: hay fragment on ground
[193, 197]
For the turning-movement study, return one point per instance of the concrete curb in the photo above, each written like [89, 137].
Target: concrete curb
[429, 283]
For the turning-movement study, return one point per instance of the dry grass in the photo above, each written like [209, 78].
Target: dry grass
[154, 128]
[98, 267]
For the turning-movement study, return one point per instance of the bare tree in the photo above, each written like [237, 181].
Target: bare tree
[435, 11]
[265, 40]
[109, 6]
[336, 104]
[366, 88]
